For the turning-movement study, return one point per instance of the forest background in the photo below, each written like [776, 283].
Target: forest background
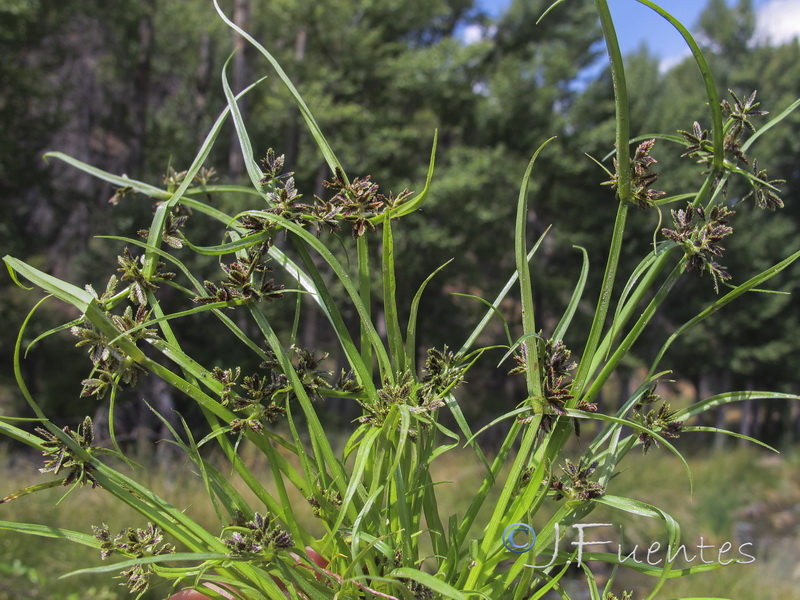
[131, 87]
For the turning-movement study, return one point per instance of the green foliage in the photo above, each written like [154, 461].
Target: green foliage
[381, 531]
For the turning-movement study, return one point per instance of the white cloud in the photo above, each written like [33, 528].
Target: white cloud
[778, 21]
[472, 34]
[669, 62]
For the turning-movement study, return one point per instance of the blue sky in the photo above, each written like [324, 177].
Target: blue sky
[778, 19]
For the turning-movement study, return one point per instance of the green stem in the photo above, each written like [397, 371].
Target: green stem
[623, 134]
[477, 501]
[478, 574]
[623, 190]
[393, 334]
[628, 310]
[634, 333]
[563, 429]
[364, 290]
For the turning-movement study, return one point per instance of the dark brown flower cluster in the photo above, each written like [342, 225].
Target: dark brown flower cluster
[578, 486]
[257, 537]
[326, 502]
[420, 591]
[131, 269]
[642, 178]
[555, 366]
[357, 202]
[261, 397]
[661, 421]
[58, 455]
[171, 233]
[402, 391]
[700, 234]
[111, 366]
[254, 397]
[134, 543]
[700, 146]
[246, 279]
[739, 113]
[444, 373]
[764, 190]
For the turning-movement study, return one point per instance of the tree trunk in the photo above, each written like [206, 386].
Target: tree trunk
[141, 82]
[293, 135]
[749, 425]
[241, 17]
[203, 81]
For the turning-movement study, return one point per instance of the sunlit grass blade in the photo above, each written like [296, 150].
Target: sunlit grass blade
[532, 374]
[143, 188]
[145, 560]
[728, 397]
[205, 190]
[566, 319]
[250, 164]
[217, 486]
[357, 553]
[49, 531]
[437, 585]
[565, 516]
[316, 132]
[640, 429]
[495, 311]
[548, 9]
[365, 295]
[632, 336]
[62, 290]
[730, 433]
[466, 430]
[323, 453]
[32, 489]
[411, 328]
[418, 200]
[590, 578]
[655, 571]
[623, 193]
[477, 577]
[637, 507]
[160, 217]
[473, 336]
[393, 335]
[616, 323]
[50, 332]
[304, 238]
[747, 286]
[551, 583]
[770, 124]
[711, 89]
[230, 247]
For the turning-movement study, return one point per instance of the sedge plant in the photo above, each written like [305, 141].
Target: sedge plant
[385, 533]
